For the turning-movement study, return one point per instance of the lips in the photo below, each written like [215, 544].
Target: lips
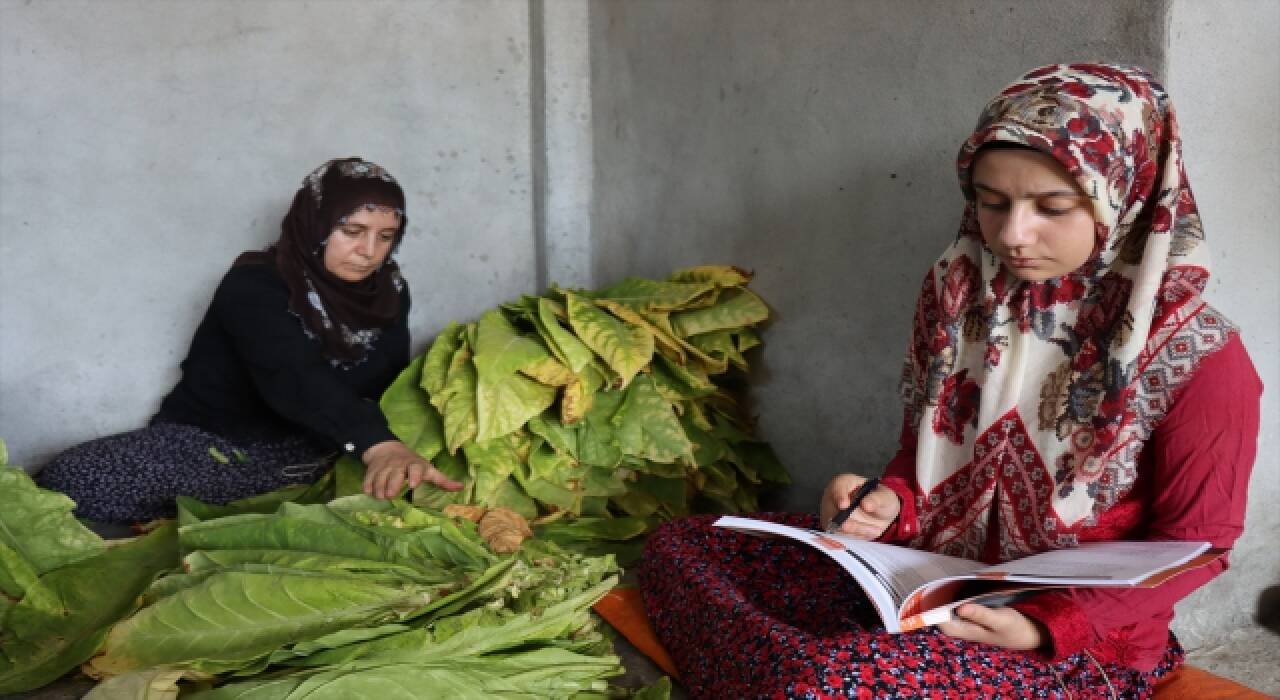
[1023, 262]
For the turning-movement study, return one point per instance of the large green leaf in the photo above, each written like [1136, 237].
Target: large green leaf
[492, 461]
[457, 400]
[233, 618]
[736, 308]
[648, 427]
[573, 351]
[625, 348]
[435, 367]
[506, 400]
[654, 295]
[409, 412]
[38, 645]
[719, 275]
[38, 525]
[455, 467]
[721, 346]
[597, 437]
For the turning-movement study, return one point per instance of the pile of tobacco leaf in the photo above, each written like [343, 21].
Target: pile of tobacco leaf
[280, 596]
[592, 414]
[610, 406]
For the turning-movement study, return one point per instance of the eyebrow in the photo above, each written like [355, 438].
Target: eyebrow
[1031, 195]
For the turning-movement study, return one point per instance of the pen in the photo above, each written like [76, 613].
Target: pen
[866, 488]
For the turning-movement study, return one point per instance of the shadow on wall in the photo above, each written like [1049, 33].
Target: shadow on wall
[1268, 613]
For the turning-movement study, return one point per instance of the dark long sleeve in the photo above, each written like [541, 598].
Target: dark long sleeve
[253, 371]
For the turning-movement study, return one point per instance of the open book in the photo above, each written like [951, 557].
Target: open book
[913, 589]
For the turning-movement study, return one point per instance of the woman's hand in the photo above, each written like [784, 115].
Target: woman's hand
[876, 513]
[390, 465]
[1003, 627]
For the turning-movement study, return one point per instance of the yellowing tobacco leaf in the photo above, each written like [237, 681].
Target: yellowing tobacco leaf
[719, 275]
[736, 308]
[625, 348]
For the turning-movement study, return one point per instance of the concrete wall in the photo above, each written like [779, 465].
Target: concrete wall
[1224, 75]
[144, 144]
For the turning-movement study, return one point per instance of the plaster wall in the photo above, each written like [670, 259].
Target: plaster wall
[144, 144]
[1224, 75]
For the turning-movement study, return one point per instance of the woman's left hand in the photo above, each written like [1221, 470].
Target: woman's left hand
[390, 465]
[1003, 627]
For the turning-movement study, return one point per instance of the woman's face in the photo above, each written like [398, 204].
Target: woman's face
[1033, 215]
[358, 244]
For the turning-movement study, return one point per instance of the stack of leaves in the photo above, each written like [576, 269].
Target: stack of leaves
[359, 595]
[54, 608]
[602, 405]
[278, 596]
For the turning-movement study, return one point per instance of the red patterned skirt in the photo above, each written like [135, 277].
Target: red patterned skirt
[747, 617]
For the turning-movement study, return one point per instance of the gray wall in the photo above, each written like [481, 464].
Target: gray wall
[1224, 75]
[143, 144]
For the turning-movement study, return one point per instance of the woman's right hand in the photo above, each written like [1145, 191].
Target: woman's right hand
[391, 465]
[869, 521]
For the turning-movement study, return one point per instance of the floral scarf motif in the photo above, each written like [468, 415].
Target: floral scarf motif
[1030, 401]
[345, 317]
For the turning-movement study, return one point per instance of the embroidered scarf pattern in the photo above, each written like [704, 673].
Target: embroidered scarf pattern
[1030, 401]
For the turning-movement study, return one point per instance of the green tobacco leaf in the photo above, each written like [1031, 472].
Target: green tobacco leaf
[348, 476]
[564, 440]
[505, 403]
[410, 414]
[747, 339]
[673, 494]
[138, 685]
[37, 646]
[597, 438]
[578, 529]
[736, 308]
[721, 346]
[719, 275]
[457, 401]
[233, 618]
[500, 349]
[492, 461]
[37, 524]
[647, 426]
[506, 400]
[625, 348]
[653, 295]
[574, 352]
[435, 368]
[454, 467]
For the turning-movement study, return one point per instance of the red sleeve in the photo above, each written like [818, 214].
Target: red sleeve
[1200, 460]
[900, 475]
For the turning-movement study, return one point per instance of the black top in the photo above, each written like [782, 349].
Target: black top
[253, 372]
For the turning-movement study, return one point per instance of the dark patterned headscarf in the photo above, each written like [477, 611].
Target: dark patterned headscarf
[1033, 399]
[346, 316]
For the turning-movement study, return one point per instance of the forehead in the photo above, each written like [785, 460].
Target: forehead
[373, 217]
[1020, 164]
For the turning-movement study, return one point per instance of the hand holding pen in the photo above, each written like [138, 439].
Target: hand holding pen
[857, 506]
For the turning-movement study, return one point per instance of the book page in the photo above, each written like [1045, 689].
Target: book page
[1097, 563]
[889, 574]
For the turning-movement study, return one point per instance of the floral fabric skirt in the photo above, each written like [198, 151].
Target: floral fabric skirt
[748, 617]
[135, 476]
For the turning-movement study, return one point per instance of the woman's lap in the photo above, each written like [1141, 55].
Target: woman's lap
[136, 476]
[746, 617]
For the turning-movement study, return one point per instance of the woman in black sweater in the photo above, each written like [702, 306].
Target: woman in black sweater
[284, 372]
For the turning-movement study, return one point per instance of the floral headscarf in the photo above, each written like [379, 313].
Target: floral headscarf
[1031, 401]
[346, 316]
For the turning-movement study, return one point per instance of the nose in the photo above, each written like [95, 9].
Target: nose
[1018, 227]
[366, 246]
